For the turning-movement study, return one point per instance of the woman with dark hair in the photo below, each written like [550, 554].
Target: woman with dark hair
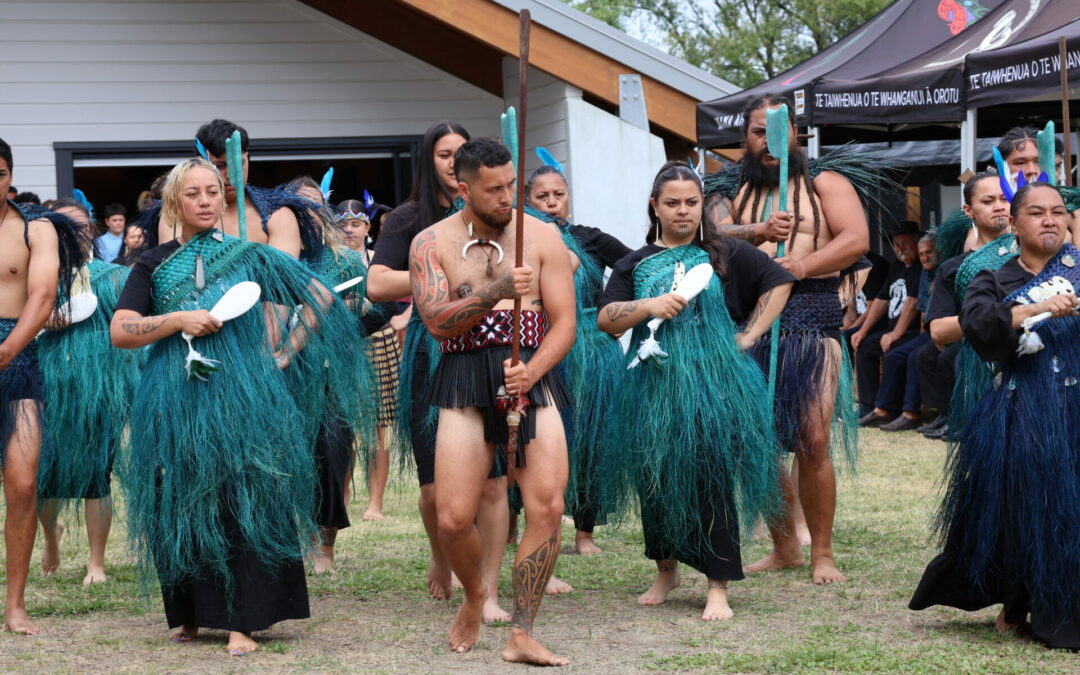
[1009, 522]
[434, 197]
[690, 423]
[130, 249]
[591, 368]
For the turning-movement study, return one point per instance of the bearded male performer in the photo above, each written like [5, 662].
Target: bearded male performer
[463, 283]
[826, 233]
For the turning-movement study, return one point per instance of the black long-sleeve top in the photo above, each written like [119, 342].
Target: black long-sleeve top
[986, 318]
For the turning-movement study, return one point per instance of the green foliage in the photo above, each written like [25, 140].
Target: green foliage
[743, 41]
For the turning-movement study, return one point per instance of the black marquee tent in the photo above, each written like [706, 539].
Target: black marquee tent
[1026, 69]
[1004, 55]
[931, 87]
[881, 43]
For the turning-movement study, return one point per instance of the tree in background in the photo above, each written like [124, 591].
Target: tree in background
[742, 41]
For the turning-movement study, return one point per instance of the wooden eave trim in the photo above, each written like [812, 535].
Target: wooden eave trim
[563, 58]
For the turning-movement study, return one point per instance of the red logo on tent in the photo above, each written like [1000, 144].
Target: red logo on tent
[955, 14]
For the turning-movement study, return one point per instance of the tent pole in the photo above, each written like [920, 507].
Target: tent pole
[968, 134]
[813, 144]
[1067, 126]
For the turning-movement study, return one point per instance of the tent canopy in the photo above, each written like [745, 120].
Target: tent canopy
[870, 49]
[1023, 70]
[931, 86]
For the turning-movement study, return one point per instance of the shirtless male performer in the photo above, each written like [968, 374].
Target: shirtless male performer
[463, 284]
[831, 234]
[30, 260]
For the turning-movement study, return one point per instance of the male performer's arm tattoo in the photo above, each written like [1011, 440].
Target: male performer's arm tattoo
[618, 310]
[431, 292]
[747, 233]
[142, 326]
[530, 577]
[759, 309]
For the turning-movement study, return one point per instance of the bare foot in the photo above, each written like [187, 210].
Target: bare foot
[776, 561]
[50, 555]
[455, 583]
[438, 580]
[16, 621]
[802, 533]
[184, 634]
[584, 544]
[240, 644]
[94, 575]
[492, 611]
[823, 570]
[373, 514]
[665, 582]
[324, 561]
[521, 648]
[1003, 626]
[465, 629]
[716, 606]
[556, 585]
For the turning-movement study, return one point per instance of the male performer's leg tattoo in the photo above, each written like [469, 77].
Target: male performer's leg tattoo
[530, 578]
[665, 565]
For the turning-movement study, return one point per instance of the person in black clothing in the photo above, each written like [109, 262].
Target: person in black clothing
[988, 209]
[594, 357]
[1010, 519]
[433, 198]
[889, 322]
[686, 475]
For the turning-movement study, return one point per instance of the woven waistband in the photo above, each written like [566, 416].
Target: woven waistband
[814, 305]
[495, 329]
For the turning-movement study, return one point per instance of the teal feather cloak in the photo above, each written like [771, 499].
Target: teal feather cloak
[696, 425]
[88, 390]
[334, 394]
[237, 441]
[591, 370]
[973, 375]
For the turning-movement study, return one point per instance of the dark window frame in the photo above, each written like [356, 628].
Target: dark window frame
[404, 149]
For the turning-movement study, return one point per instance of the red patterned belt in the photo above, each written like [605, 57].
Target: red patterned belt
[494, 330]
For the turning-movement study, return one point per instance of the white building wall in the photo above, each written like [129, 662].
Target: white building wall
[134, 70]
[610, 164]
[616, 163]
[546, 117]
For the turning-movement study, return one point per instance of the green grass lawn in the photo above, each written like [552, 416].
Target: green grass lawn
[373, 614]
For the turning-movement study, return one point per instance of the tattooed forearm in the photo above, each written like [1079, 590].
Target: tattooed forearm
[143, 326]
[618, 310]
[530, 577]
[746, 232]
[759, 309]
[431, 292]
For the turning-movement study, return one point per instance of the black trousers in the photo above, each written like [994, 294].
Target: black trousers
[937, 374]
[868, 366]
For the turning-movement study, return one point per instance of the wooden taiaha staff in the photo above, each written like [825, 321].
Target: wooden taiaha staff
[1066, 122]
[517, 406]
